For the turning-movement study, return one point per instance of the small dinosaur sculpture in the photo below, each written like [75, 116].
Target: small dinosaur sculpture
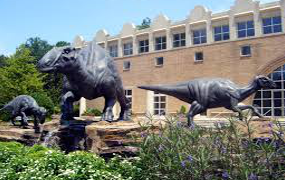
[89, 72]
[24, 106]
[205, 93]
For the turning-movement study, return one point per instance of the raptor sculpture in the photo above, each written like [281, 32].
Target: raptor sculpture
[89, 72]
[24, 106]
[205, 93]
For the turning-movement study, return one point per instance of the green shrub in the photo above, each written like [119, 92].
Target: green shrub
[45, 101]
[92, 112]
[5, 116]
[76, 108]
[180, 152]
[37, 162]
[182, 110]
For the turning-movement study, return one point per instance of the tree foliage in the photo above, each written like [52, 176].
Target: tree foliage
[19, 76]
[38, 47]
[18, 73]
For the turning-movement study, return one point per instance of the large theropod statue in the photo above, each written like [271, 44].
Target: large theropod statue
[89, 72]
[207, 93]
[24, 106]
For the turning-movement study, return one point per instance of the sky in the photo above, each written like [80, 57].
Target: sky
[62, 20]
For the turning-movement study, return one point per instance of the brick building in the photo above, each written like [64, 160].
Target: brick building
[238, 44]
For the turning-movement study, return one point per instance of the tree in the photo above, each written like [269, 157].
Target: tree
[62, 43]
[3, 60]
[52, 82]
[37, 47]
[145, 24]
[19, 76]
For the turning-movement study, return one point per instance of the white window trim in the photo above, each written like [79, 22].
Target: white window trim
[130, 50]
[240, 51]
[195, 60]
[144, 47]
[180, 40]
[159, 65]
[161, 44]
[126, 69]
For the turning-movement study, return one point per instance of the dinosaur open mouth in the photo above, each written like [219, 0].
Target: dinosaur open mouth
[46, 69]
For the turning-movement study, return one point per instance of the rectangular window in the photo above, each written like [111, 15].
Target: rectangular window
[272, 25]
[113, 50]
[179, 40]
[159, 104]
[199, 36]
[129, 94]
[160, 43]
[245, 29]
[245, 50]
[159, 61]
[222, 33]
[199, 56]
[143, 46]
[127, 65]
[128, 49]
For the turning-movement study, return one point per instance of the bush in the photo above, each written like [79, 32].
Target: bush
[37, 162]
[45, 101]
[92, 112]
[180, 152]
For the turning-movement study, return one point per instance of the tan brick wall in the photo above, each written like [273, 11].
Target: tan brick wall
[220, 60]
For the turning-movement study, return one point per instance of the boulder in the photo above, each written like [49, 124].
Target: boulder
[258, 128]
[117, 137]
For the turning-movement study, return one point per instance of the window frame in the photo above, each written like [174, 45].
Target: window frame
[162, 44]
[246, 29]
[271, 101]
[129, 96]
[113, 50]
[245, 55]
[222, 33]
[156, 61]
[145, 46]
[181, 41]
[161, 111]
[128, 49]
[271, 25]
[195, 56]
[201, 36]
[126, 68]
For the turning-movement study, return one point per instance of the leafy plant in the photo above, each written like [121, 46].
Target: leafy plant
[92, 112]
[45, 101]
[224, 152]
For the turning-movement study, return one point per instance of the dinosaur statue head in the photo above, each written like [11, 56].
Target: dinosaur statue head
[42, 112]
[58, 59]
[265, 82]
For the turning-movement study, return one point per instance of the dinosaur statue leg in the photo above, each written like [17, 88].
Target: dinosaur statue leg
[103, 112]
[24, 119]
[125, 114]
[109, 103]
[195, 109]
[36, 124]
[67, 106]
[254, 109]
[13, 119]
[234, 107]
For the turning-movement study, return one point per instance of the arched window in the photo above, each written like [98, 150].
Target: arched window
[270, 102]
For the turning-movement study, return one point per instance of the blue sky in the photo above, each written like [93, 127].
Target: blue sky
[57, 20]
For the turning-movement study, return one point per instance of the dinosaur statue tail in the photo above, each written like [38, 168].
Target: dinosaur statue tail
[168, 90]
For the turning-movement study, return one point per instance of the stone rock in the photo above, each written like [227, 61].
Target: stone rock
[25, 136]
[116, 137]
[259, 128]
